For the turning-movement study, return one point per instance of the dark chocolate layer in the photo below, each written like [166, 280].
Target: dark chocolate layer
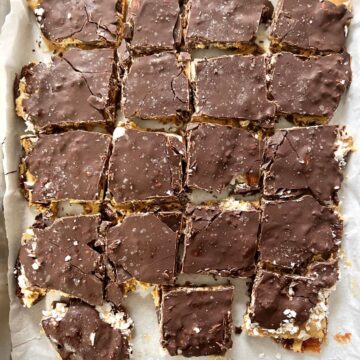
[221, 242]
[309, 86]
[196, 322]
[155, 25]
[78, 88]
[70, 165]
[310, 25]
[225, 23]
[82, 334]
[303, 160]
[156, 88]
[61, 257]
[145, 246]
[85, 22]
[233, 87]
[295, 232]
[279, 299]
[218, 154]
[145, 166]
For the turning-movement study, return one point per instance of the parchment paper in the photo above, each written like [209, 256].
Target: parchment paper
[19, 45]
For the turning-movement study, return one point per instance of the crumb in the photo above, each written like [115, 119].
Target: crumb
[343, 338]
[238, 330]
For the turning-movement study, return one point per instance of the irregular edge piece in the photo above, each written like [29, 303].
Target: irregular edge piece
[297, 339]
[64, 43]
[51, 207]
[27, 293]
[110, 110]
[343, 147]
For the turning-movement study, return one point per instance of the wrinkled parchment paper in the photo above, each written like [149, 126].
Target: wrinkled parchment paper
[19, 44]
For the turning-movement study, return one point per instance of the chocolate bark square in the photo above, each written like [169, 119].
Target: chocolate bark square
[77, 89]
[309, 159]
[226, 24]
[145, 167]
[156, 88]
[80, 331]
[66, 166]
[292, 309]
[155, 25]
[144, 247]
[221, 241]
[196, 321]
[84, 23]
[310, 26]
[222, 158]
[232, 88]
[61, 256]
[308, 90]
[297, 232]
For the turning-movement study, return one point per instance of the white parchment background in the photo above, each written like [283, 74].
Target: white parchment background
[18, 46]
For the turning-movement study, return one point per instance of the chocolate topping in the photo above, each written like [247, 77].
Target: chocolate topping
[156, 88]
[318, 26]
[220, 157]
[233, 87]
[325, 274]
[67, 166]
[197, 321]
[145, 247]
[115, 282]
[277, 298]
[84, 22]
[82, 334]
[231, 23]
[61, 257]
[76, 89]
[145, 166]
[296, 160]
[221, 242]
[295, 232]
[155, 25]
[309, 86]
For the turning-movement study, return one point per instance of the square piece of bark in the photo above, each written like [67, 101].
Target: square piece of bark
[309, 159]
[84, 23]
[156, 88]
[292, 309]
[308, 90]
[67, 166]
[76, 89]
[233, 87]
[222, 158]
[80, 331]
[61, 257]
[310, 26]
[145, 247]
[145, 167]
[226, 24]
[297, 232]
[221, 241]
[155, 25]
[196, 321]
